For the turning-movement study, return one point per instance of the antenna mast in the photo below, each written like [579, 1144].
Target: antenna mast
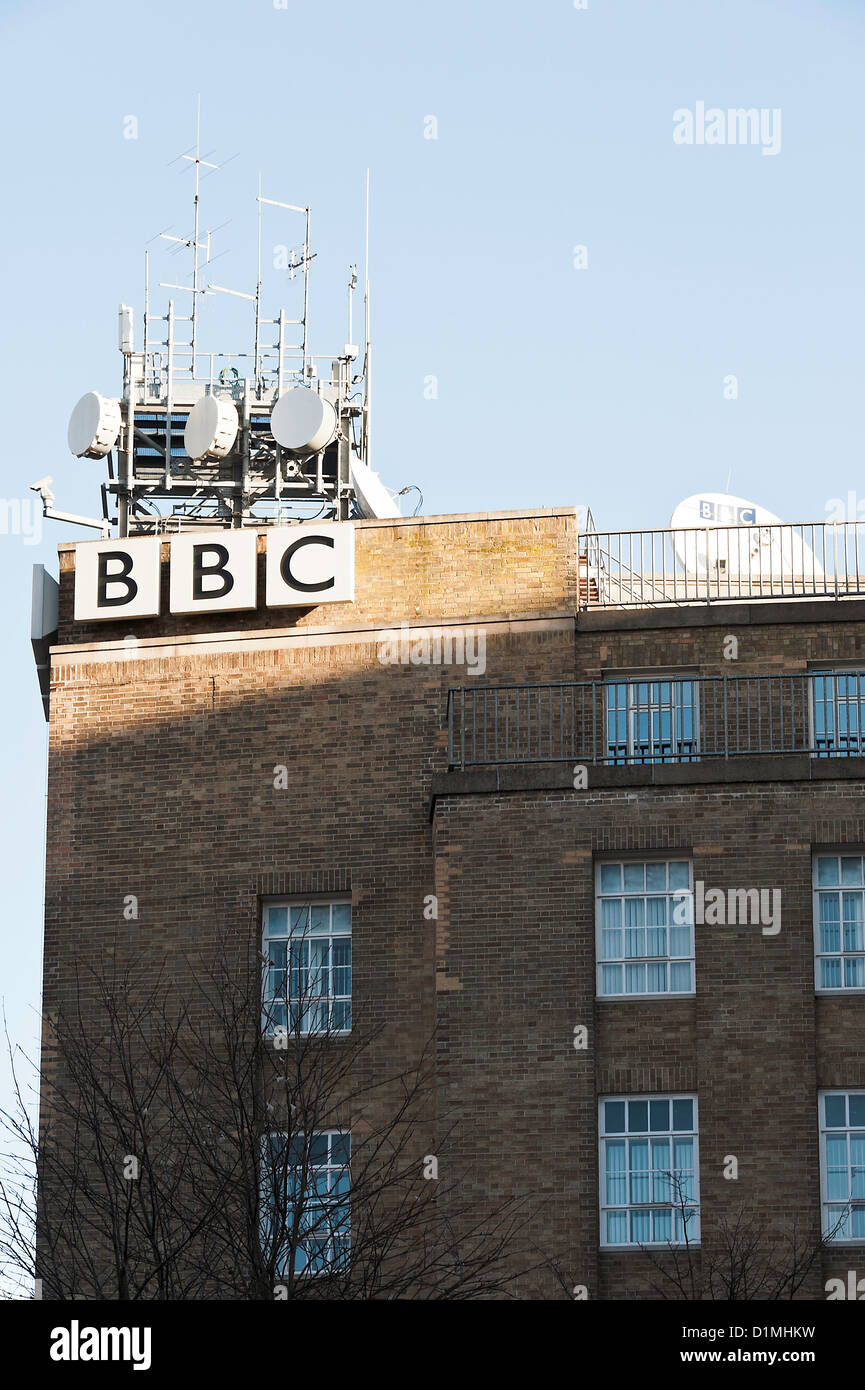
[195, 232]
[258, 295]
[194, 244]
[367, 352]
[208, 439]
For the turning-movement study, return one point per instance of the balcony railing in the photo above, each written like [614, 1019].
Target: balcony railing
[712, 564]
[673, 719]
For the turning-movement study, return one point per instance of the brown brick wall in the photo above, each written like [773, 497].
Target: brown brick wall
[771, 638]
[503, 564]
[161, 784]
[517, 934]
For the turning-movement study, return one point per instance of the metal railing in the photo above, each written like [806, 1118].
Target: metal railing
[664, 720]
[710, 564]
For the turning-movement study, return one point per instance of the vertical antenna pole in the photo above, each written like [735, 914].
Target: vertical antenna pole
[169, 396]
[306, 297]
[146, 313]
[367, 355]
[195, 235]
[258, 297]
[281, 352]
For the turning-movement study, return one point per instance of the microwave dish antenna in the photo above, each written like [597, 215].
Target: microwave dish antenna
[373, 498]
[211, 428]
[94, 426]
[303, 421]
[715, 533]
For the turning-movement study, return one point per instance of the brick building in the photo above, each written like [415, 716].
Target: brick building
[518, 785]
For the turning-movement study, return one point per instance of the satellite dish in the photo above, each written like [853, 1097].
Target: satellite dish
[373, 498]
[211, 428]
[93, 426]
[761, 543]
[303, 421]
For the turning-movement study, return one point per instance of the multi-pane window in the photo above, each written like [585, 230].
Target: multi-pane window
[307, 947]
[649, 1171]
[306, 1183]
[644, 927]
[842, 1160]
[652, 721]
[838, 713]
[839, 921]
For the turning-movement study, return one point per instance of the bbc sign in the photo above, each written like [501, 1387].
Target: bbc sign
[215, 572]
[723, 515]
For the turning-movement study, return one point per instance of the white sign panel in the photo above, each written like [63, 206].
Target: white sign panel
[213, 573]
[117, 579]
[309, 565]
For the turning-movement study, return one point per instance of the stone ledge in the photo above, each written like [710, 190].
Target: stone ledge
[722, 613]
[532, 777]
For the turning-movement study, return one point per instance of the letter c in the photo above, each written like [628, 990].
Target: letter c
[285, 565]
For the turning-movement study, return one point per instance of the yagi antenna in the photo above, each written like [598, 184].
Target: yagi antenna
[304, 263]
[193, 243]
[367, 352]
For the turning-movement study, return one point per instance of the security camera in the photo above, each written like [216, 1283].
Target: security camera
[43, 487]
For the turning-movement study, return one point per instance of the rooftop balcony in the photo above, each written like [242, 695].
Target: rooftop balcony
[717, 564]
[685, 719]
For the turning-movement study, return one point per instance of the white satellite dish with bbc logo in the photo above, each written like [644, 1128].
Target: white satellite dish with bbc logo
[714, 533]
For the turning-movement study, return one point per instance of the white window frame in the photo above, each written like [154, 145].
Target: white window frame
[827, 1221]
[835, 673]
[820, 890]
[314, 1169]
[624, 961]
[291, 905]
[628, 1207]
[632, 682]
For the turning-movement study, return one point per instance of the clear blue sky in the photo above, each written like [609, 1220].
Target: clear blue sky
[555, 385]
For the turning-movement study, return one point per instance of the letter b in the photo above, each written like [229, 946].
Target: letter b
[123, 576]
[200, 569]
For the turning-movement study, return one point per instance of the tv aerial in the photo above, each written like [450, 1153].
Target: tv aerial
[268, 434]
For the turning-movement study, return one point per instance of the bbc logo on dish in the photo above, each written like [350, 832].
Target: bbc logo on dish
[724, 515]
[215, 572]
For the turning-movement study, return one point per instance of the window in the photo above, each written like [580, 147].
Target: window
[644, 927]
[652, 721]
[842, 1164]
[649, 1171]
[838, 713]
[839, 921]
[305, 1189]
[307, 947]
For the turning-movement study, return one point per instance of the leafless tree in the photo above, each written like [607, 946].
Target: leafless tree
[189, 1149]
[740, 1256]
